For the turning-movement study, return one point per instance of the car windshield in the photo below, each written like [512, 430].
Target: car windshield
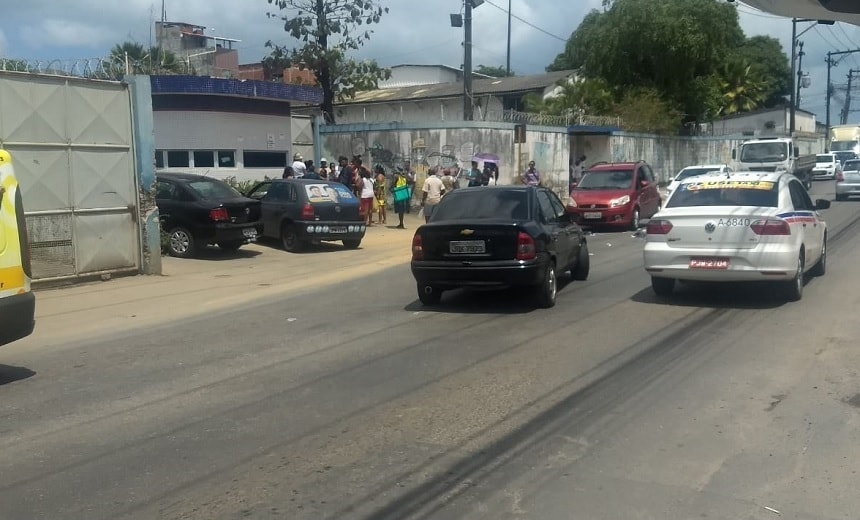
[213, 189]
[725, 193]
[607, 180]
[483, 203]
[686, 173]
[851, 166]
[824, 158]
[839, 146]
[764, 152]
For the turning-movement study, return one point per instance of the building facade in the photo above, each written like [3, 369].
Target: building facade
[202, 54]
[225, 128]
[764, 122]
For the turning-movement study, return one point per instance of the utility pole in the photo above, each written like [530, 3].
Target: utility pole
[508, 66]
[830, 64]
[799, 73]
[467, 63]
[847, 108]
[793, 100]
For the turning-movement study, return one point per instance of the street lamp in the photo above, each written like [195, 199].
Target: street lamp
[794, 37]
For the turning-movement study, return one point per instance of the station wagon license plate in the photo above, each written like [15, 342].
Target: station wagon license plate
[592, 214]
[249, 233]
[473, 247]
[709, 263]
[337, 229]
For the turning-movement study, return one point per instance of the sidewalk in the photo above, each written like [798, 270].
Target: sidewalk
[214, 281]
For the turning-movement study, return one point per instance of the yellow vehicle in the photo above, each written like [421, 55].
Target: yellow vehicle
[17, 302]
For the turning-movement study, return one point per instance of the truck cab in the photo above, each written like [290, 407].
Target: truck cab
[773, 154]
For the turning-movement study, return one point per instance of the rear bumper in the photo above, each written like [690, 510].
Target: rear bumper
[20, 311]
[608, 217]
[310, 231]
[773, 262]
[848, 189]
[447, 275]
[228, 232]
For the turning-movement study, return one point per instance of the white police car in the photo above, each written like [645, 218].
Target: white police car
[745, 226]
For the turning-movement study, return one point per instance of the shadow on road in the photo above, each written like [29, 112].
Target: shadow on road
[486, 301]
[718, 295]
[322, 247]
[218, 254]
[10, 374]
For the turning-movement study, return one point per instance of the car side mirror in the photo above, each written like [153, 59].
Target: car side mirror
[734, 154]
[822, 204]
[796, 152]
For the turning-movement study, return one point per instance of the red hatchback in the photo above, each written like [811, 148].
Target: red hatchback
[615, 194]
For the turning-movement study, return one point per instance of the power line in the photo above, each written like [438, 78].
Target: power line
[533, 26]
[757, 12]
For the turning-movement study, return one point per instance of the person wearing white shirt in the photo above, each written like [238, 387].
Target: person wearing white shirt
[299, 166]
[433, 190]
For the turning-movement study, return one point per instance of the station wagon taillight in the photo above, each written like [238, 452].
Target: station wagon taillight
[417, 248]
[658, 227]
[307, 211]
[526, 249]
[770, 226]
[219, 215]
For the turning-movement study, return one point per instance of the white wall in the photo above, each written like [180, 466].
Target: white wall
[409, 75]
[757, 123]
[189, 130]
[413, 111]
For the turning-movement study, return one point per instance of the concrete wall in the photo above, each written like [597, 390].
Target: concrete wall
[417, 112]
[409, 75]
[667, 155]
[451, 143]
[757, 123]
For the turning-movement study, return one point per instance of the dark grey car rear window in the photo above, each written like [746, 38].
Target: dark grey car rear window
[483, 203]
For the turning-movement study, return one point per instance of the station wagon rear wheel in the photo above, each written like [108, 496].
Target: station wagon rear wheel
[821, 266]
[290, 239]
[580, 270]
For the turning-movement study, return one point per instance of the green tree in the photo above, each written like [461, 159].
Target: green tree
[743, 88]
[142, 60]
[643, 110]
[664, 45]
[588, 96]
[328, 30]
[768, 61]
[496, 72]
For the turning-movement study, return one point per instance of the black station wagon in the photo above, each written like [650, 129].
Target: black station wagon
[300, 212]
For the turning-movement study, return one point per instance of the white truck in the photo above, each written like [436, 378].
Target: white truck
[770, 154]
[845, 141]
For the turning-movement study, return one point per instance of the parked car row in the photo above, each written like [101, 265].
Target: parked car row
[196, 211]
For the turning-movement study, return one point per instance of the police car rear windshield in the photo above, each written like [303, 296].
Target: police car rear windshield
[726, 193]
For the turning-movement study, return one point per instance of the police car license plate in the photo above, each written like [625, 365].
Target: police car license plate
[709, 263]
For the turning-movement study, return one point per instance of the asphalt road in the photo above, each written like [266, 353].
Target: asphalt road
[355, 402]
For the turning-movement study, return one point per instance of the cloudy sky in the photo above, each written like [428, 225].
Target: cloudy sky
[413, 32]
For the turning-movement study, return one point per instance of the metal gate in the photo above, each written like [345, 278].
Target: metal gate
[72, 145]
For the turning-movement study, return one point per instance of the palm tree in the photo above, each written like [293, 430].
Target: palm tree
[743, 89]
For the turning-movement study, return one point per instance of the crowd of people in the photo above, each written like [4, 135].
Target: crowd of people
[377, 189]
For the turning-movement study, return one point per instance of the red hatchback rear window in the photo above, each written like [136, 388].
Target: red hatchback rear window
[606, 180]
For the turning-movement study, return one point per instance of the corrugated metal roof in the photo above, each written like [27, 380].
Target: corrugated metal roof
[511, 85]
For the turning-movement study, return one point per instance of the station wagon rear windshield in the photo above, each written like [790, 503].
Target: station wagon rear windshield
[725, 193]
[606, 180]
[213, 189]
[483, 203]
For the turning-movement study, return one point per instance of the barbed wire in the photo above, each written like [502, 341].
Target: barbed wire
[105, 68]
